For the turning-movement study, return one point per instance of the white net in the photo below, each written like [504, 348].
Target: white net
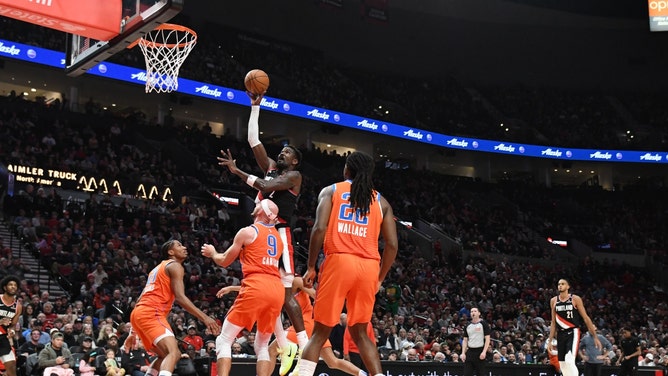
[165, 49]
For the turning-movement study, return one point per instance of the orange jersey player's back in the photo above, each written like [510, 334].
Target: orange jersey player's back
[158, 290]
[262, 255]
[350, 232]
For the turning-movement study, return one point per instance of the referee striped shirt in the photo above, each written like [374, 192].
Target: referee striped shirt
[476, 332]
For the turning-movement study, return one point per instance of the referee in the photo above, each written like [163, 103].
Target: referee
[475, 345]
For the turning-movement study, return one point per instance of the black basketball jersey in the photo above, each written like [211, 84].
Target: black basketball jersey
[7, 310]
[285, 200]
[568, 316]
[629, 346]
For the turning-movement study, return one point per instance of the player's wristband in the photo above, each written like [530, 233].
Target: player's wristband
[250, 180]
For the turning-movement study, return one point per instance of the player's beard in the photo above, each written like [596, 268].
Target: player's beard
[281, 165]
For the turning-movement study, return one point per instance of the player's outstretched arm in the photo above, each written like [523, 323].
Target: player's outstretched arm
[175, 273]
[259, 151]
[286, 181]
[245, 236]
[226, 290]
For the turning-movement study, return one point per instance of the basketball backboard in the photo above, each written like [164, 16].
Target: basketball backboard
[138, 17]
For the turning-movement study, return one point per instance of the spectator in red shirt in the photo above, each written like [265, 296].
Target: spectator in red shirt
[193, 338]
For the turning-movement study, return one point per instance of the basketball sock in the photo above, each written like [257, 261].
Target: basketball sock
[302, 339]
[306, 367]
[151, 372]
[362, 373]
[165, 373]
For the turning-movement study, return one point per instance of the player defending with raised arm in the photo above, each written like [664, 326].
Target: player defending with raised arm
[568, 315]
[259, 248]
[10, 311]
[282, 184]
[349, 219]
[164, 285]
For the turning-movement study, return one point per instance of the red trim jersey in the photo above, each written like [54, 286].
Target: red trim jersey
[568, 316]
[286, 200]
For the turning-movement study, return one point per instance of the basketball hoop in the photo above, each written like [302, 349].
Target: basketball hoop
[165, 48]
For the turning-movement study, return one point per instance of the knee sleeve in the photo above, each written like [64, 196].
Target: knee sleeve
[261, 345]
[225, 339]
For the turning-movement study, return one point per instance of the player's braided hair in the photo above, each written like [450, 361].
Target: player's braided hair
[166, 246]
[360, 167]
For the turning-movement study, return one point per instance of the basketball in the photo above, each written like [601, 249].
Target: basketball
[256, 81]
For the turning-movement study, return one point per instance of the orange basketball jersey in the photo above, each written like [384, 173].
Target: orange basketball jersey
[262, 255]
[348, 231]
[158, 292]
[305, 304]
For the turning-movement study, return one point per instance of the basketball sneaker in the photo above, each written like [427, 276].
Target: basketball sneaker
[295, 371]
[287, 358]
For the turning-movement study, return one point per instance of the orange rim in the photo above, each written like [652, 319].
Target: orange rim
[167, 26]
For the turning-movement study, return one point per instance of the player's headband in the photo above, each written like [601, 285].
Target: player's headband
[265, 207]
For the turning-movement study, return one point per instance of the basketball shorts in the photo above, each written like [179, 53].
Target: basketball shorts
[567, 341]
[346, 279]
[6, 352]
[150, 325]
[260, 301]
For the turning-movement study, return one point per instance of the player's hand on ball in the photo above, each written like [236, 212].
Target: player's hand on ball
[256, 99]
[256, 82]
[208, 250]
